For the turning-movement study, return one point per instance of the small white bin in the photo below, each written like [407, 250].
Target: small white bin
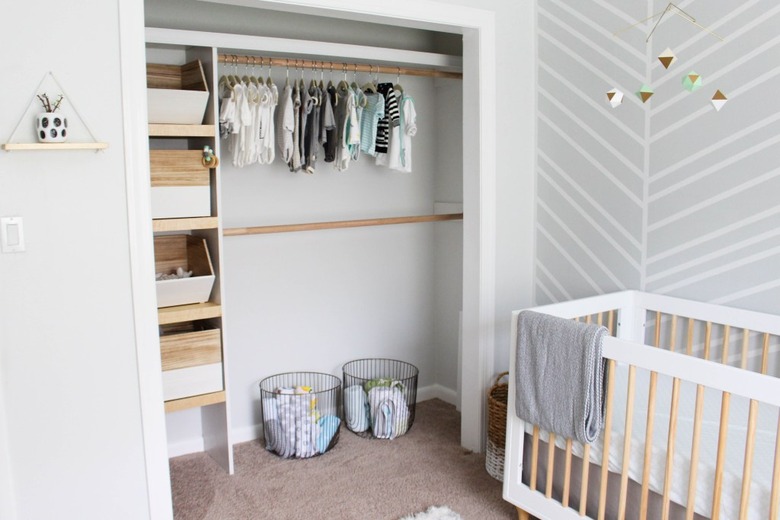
[181, 185]
[191, 254]
[176, 94]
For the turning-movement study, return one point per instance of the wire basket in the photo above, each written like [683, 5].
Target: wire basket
[496, 438]
[301, 413]
[379, 397]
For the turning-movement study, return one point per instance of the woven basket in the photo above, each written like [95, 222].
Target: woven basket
[496, 438]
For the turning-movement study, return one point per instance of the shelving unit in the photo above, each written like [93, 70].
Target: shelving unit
[192, 335]
[38, 147]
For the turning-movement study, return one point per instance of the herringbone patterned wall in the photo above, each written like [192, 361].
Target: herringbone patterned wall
[669, 196]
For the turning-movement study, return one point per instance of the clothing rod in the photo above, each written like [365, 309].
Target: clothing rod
[314, 226]
[335, 66]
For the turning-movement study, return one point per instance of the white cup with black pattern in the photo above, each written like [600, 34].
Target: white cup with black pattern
[51, 127]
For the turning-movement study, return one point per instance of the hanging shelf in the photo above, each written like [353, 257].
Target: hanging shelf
[11, 146]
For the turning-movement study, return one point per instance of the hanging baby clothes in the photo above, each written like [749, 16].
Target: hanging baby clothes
[227, 109]
[331, 132]
[248, 153]
[295, 161]
[373, 112]
[265, 142]
[312, 136]
[360, 105]
[242, 124]
[285, 121]
[408, 129]
[346, 125]
[390, 119]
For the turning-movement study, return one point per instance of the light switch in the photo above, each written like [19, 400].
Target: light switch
[11, 234]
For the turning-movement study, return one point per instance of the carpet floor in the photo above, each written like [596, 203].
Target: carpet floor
[359, 479]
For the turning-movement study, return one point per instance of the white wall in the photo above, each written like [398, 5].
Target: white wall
[68, 369]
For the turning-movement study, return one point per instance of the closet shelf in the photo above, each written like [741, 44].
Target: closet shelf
[195, 311]
[314, 226]
[184, 224]
[54, 146]
[195, 401]
[172, 130]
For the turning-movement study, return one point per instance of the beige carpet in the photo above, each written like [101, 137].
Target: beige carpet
[360, 479]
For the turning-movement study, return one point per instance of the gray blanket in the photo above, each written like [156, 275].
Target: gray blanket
[560, 375]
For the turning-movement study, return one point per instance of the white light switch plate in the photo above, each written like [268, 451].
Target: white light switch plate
[11, 234]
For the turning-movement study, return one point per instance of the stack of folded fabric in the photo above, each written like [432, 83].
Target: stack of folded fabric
[379, 404]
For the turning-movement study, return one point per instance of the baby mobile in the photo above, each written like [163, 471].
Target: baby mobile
[691, 81]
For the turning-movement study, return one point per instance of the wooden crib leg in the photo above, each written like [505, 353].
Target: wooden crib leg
[522, 515]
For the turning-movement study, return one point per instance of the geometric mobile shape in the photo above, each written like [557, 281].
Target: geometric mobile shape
[667, 58]
[644, 93]
[692, 81]
[615, 97]
[718, 100]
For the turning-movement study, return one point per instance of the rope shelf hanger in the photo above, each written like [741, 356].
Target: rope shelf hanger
[335, 66]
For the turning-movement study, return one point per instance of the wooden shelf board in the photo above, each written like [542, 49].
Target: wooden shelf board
[195, 401]
[313, 226]
[172, 130]
[195, 311]
[54, 146]
[184, 224]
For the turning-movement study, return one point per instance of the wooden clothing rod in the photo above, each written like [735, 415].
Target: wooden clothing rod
[335, 66]
[313, 226]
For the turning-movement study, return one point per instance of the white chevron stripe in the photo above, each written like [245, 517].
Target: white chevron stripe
[593, 26]
[716, 146]
[601, 107]
[757, 239]
[546, 291]
[588, 251]
[700, 35]
[714, 168]
[599, 229]
[714, 200]
[558, 285]
[593, 133]
[714, 234]
[742, 262]
[606, 54]
[708, 108]
[565, 254]
[615, 9]
[713, 78]
[750, 291]
[590, 159]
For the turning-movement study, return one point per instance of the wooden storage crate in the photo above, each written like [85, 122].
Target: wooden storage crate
[192, 363]
[191, 254]
[177, 94]
[181, 185]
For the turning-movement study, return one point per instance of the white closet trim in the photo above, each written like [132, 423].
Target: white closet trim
[311, 49]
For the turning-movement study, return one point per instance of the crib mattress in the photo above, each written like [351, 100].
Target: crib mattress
[735, 452]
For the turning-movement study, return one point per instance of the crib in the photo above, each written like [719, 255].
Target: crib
[691, 426]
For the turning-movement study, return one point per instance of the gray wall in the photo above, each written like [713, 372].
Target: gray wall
[670, 196]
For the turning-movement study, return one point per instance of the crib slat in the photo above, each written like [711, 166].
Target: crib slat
[584, 481]
[725, 355]
[657, 328]
[607, 438]
[648, 444]
[717, 488]
[534, 457]
[695, 451]
[673, 333]
[670, 447]
[550, 463]
[774, 501]
[627, 443]
[689, 347]
[747, 469]
[567, 475]
[707, 340]
[745, 345]
[611, 321]
[765, 354]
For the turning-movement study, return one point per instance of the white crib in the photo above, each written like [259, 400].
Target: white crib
[692, 423]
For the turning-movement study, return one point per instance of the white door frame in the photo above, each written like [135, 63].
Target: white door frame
[479, 203]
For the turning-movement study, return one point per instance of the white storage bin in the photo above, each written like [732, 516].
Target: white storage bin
[191, 254]
[176, 94]
[181, 185]
[192, 363]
